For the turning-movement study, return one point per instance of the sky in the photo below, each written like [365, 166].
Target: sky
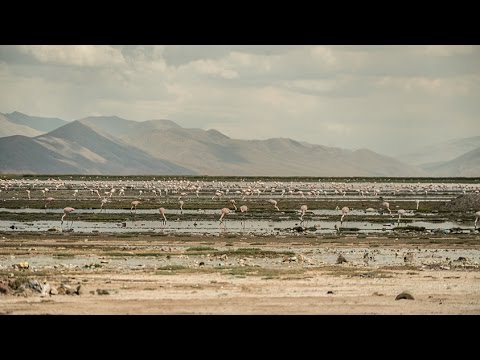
[390, 99]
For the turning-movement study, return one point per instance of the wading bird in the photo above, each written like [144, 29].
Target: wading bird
[234, 204]
[400, 213]
[48, 201]
[181, 206]
[345, 211]
[477, 214]
[225, 212]
[162, 212]
[104, 201]
[303, 210]
[67, 211]
[243, 209]
[274, 203]
[386, 205]
[135, 203]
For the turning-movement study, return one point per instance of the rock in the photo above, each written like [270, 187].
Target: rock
[102, 292]
[35, 285]
[53, 291]
[329, 292]
[22, 265]
[404, 296]
[201, 263]
[341, 259]
[45, 290]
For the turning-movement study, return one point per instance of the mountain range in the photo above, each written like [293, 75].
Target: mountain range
[108, 145]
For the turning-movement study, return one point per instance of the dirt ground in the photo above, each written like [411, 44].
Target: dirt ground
[141, 274]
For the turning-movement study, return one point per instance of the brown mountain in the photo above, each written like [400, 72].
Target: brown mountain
[76, 148]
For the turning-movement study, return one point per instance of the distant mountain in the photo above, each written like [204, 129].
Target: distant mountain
[42, 124]
[441, 152]
[213, 153]
[8, 128]
[118, 127]
[467, 165]
[76, 148]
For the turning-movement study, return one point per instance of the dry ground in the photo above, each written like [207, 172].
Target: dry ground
[237, 275]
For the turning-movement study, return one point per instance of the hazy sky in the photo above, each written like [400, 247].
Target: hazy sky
[386, 98]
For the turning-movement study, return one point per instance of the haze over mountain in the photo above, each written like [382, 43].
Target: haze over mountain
[42, 124]
[467, 165]
[441, 152]
[8, 128]
[112, 145]
[77, 149]
[213, 153]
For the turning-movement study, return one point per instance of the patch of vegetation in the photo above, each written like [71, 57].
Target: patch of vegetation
[264, 272]
[200, 248]
[64, 255]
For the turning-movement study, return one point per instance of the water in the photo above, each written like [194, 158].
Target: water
[214, 227]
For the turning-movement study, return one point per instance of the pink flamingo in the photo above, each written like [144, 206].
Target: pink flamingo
[477, 214]
[162, 212]
[104, 201]
[400, 213]
[345, 211]
[303, 210]
[48, 201]
[274, 203]
[67, 211]
[135, 203]
[243, 209]
[234, 204]
[225, 211]
[386, 205]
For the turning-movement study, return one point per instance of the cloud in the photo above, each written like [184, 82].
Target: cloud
[211, 67]
[379, 97]
[449, 50]
[77, 55]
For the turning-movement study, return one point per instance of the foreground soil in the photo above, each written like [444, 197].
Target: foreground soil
[141, 274]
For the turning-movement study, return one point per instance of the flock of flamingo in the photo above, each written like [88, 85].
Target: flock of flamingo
[182, 189]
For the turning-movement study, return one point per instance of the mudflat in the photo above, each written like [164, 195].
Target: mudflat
[70, 273]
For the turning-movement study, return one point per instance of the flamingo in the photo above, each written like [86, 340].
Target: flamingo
[225, 211]
[48, 201]
[162, 212]
[67, 211]
[181, 206]
[303, 210]
[477, 214]
[274, 203]
[386, 205]
[28, 193]
[234, 204]
[400, 213]
[243, 209]
[418, 203]
[135, 203]
[345, 211]
[104, 201]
